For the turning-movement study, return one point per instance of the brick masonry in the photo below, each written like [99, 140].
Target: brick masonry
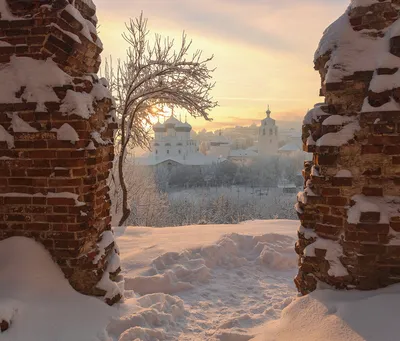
[337, 231]
[52, 189]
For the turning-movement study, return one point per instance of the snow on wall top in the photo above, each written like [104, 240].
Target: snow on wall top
[37, 76]
[87, 27]
[5, 12]
[89, 3]
[350, 50]
[362, 3]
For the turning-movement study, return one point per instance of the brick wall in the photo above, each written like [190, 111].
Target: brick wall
[350, 209]
[56, 139]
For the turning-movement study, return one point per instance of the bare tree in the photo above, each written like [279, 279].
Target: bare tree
[156, 73]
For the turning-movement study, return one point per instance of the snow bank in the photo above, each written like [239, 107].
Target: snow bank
[248, 282]
[39, 301]
[337, 316]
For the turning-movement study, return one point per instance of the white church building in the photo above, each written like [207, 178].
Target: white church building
[172, 145]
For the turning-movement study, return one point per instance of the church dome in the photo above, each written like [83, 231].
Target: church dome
[186, 127]
[159, 127]
[171, 122]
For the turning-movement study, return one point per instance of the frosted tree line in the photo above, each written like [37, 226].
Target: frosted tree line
[217, 194]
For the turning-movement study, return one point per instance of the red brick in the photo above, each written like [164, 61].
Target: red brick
[372, 191]
[373, 228]
[332, 220]
[371, 149]
[326, 159]
[337, 201]
[61, 201]
[370, 217]
[329, 191]
[344, 182]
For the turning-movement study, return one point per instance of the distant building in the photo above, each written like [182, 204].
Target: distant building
[268, 139]
[242, 156]
[289, 149]
[220, 146]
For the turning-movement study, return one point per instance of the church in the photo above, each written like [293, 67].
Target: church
[172, 146]
[268, 139]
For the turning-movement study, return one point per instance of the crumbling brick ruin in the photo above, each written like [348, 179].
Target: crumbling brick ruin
[56, 139]
[350, 208]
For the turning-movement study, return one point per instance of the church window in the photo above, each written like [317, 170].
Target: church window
[270, 141]
[167, 151]
[270, 131]
[179, 151]
[264, 131]
[156, 151]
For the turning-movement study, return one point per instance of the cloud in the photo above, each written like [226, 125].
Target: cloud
[263, 48]
[265, 24]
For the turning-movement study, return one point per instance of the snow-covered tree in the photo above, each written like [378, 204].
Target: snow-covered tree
[157, 72]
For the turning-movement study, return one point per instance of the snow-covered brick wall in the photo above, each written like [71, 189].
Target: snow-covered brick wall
[56, 138]
[350, 225]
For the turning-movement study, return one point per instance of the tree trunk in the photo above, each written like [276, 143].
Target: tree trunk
[125, 209]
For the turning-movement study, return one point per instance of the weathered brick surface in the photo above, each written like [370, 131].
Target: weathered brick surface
[52, 190]
[370, 252]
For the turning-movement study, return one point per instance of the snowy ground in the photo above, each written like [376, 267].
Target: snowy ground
[207, 282]
[230, 278]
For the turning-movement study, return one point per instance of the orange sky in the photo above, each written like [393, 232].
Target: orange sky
[263, 49]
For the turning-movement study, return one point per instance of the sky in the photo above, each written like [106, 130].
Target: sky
[263, 50]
